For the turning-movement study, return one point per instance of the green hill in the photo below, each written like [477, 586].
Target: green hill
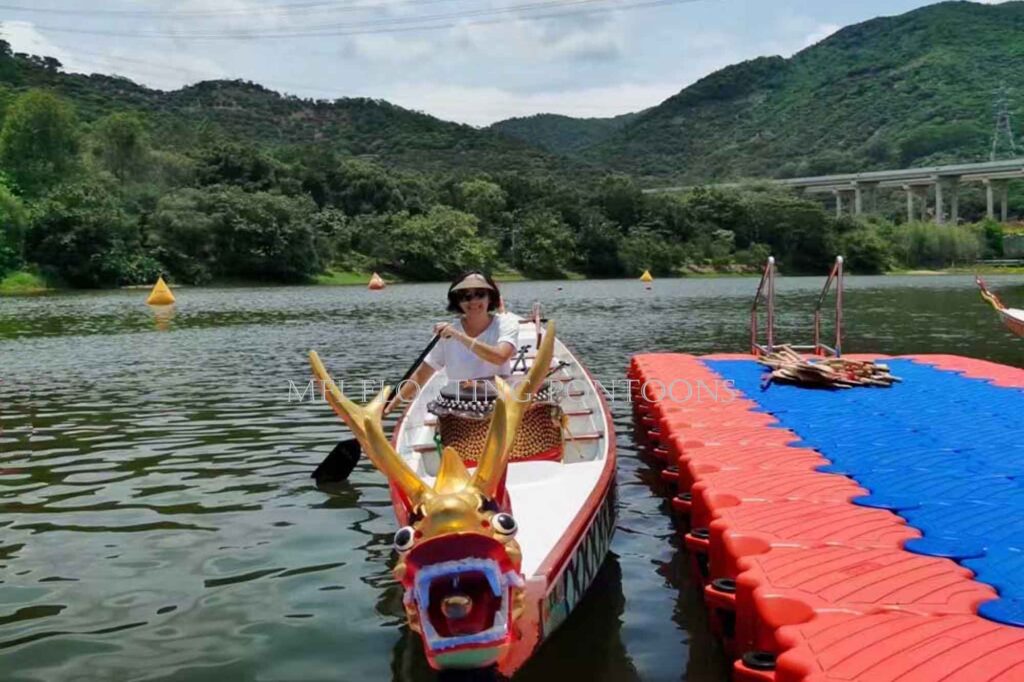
[562, 134]
[372, 129]
[914, 89]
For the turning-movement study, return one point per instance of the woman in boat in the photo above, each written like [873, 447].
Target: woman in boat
[479, 344]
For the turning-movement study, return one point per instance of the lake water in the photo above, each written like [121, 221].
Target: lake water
[157, 520]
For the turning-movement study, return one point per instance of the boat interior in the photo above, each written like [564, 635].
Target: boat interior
[545, 495]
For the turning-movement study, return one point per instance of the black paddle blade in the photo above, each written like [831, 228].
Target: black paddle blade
[339, 464]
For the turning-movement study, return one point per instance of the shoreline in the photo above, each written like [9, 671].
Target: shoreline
[22, 283]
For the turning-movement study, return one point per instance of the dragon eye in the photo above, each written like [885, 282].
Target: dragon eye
[505, 524]
[404, 539]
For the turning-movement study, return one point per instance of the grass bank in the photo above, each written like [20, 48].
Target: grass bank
[348, 278]
[20, 283]
[966, 270]
[352, 277]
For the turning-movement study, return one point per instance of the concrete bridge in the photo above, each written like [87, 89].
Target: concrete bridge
[857, 192]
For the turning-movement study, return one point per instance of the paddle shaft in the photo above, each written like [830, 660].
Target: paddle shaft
[345, 455]
[415, 366]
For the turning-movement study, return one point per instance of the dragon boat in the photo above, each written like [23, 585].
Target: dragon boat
[1013, 318]
[504, 493]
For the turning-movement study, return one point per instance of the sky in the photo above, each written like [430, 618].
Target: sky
[471, 61]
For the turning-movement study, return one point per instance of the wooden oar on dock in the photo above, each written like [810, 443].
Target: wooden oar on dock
[789, 366]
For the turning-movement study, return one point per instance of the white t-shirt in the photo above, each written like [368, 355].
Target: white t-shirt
[461, 364]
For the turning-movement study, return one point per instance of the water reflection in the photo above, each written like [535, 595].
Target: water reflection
[163, 315]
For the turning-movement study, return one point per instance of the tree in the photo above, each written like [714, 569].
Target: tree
[668, 215]
[645, 250]
[39, 142]
[357, 187]
[484, 199]
[801, 235]
[335, 234]
[598, 246]
[13, 222]
[181, 231]
[245, 166]
[544, 246]
[120, 144]
[865, 252]
[621, 200]
[710, 208]
[437, 245]
[80, 234]
[226, 232]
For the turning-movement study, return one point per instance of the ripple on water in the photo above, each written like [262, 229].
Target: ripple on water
[158, 519]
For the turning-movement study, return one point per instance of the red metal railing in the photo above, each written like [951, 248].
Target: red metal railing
[835, 276]
[765, 290]
[766, 293]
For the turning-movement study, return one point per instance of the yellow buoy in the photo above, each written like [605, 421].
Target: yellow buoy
[646, 277]
[161, 294]
[376, 283]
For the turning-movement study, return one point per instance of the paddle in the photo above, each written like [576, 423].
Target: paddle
[343, 458]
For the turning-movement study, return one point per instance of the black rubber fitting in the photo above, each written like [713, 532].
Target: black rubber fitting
[727, 585]
[759, 660]
[701, 533]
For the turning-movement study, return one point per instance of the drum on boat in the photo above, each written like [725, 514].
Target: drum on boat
[463, 412]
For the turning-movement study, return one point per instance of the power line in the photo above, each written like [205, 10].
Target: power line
[304, 7]
[396, 25]
[392, 21]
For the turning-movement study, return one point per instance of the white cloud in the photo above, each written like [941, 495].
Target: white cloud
[541, 41]
[23, 37]
[383, 48]
[819, 34]
[152, 68]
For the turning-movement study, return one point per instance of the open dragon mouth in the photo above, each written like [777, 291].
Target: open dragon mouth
[464, 603]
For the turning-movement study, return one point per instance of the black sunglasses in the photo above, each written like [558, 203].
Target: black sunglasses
[473, 294]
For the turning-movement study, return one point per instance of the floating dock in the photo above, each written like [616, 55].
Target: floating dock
[867, 534]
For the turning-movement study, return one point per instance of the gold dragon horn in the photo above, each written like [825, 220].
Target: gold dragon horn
[392, 465]
[508, 415]
[453, 476]
[387, 461]
[350, 413]
[494, 459]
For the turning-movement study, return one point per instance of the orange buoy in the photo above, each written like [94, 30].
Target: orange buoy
[376, 283]
[646, 277]
[161, 294]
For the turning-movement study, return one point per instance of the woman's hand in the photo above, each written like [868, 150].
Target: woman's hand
[447, 331]
[443, 329]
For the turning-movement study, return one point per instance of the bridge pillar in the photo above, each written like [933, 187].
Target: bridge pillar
[911, 191]
[922, 191]
[839, 202]
[991, 187]
[940, 206]
[954, 201]
[865, 197]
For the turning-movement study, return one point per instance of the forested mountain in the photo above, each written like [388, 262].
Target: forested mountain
[562, 134]
[104, 182]
[914, 89]
[374, 130]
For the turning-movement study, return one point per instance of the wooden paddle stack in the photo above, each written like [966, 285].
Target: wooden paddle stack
[789, 366]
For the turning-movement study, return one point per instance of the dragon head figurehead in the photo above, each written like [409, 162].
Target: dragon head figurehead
[458, 560]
